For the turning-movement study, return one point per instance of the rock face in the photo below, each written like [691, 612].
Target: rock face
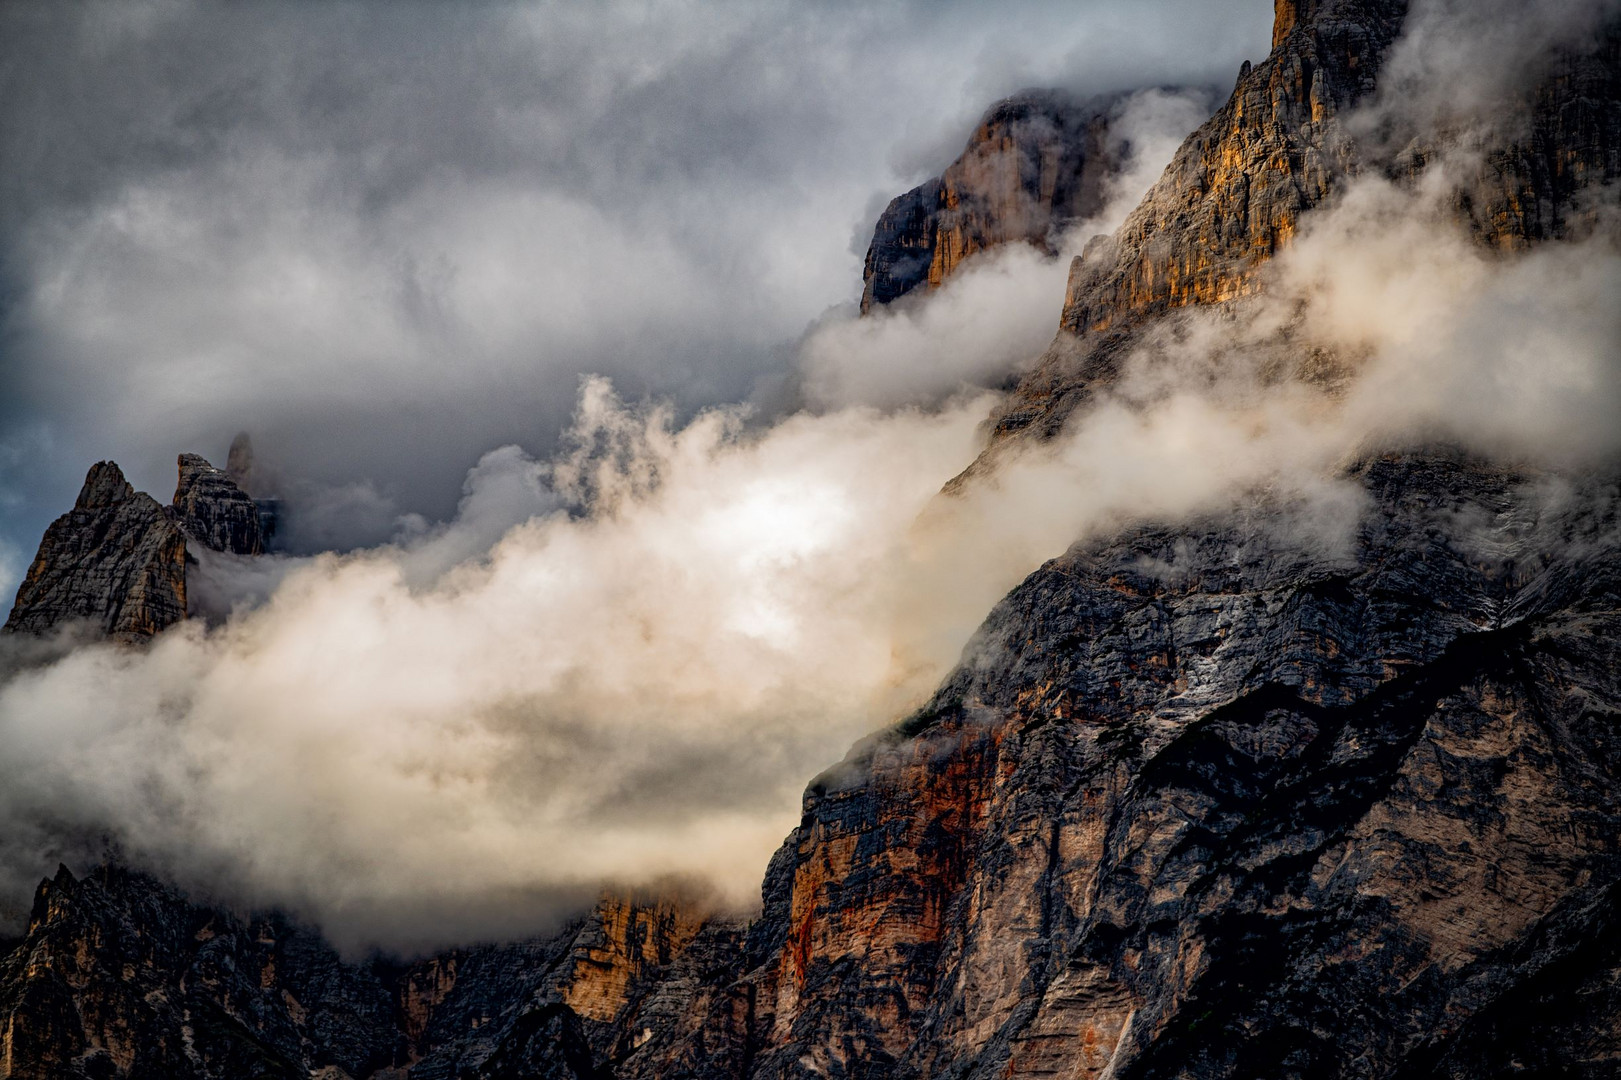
[1210, 801]
[215, 512]
[1234, 192]
[121, 976]
[115, 561]
[1036, 162]
[1233, 799]
[118, 559]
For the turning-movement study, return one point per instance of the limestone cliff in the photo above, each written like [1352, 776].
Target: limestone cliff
[1229, 799]
[122, 976]
[1035, 163]
[1235, 191]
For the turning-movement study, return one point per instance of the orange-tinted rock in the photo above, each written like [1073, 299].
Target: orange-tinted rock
[1037, 162]
[1236, 190]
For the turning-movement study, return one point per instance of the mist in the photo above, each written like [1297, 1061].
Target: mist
[621, 655]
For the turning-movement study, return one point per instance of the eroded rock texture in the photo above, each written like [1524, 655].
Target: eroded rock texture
[214, 511]
[121, 976]
[1231, 800]
[1540, 166]
[1238, 798]
[1037, 162]
[115, 562]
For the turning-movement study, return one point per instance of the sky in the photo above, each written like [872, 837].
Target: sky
[619, 524]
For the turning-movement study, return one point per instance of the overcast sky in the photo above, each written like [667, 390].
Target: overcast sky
[388, 237]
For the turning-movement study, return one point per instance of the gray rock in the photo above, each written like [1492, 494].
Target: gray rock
[114, 562]
[214, 511]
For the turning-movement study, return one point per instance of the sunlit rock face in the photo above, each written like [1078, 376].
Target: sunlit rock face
[115, 562]
[1234, 193]
[1037, 162]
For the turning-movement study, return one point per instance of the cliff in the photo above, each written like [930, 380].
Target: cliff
[117, 561]
[120, 975]
[1235, 191]
[1036, 162]
[1229, 799]
[212, 510]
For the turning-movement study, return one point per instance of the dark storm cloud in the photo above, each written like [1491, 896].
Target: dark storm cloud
[388, 237]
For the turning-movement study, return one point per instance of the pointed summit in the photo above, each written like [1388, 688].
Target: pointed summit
[212, 510]
[104, 486]
[115, 560]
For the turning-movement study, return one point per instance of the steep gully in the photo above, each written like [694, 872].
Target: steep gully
[1215, 800]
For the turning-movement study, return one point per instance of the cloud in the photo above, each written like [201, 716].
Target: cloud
[997, 313]
[621, 662]
[387, 237]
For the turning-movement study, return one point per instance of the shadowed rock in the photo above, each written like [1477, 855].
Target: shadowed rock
[1037, 162]
[115, 561]
[214, 511]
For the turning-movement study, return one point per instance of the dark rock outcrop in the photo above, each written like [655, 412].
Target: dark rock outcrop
[118, 559]
[115, 561]
[214, 511]
[1228, 801]
[121, 976]
[1037, 162]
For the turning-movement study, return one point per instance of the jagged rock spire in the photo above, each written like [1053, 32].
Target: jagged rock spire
[115, 561]
[213, 510]
[104, 485]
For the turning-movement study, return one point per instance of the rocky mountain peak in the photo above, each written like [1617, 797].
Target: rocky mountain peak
[118, 559]
[115, 561]
[1037, 161]
[214, 511]
[104, 486]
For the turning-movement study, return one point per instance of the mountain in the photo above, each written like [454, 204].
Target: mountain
[121, 976]
[118, 559]
[212, 510]
[1231, 797]
[1037, 162]
[1235, 191]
